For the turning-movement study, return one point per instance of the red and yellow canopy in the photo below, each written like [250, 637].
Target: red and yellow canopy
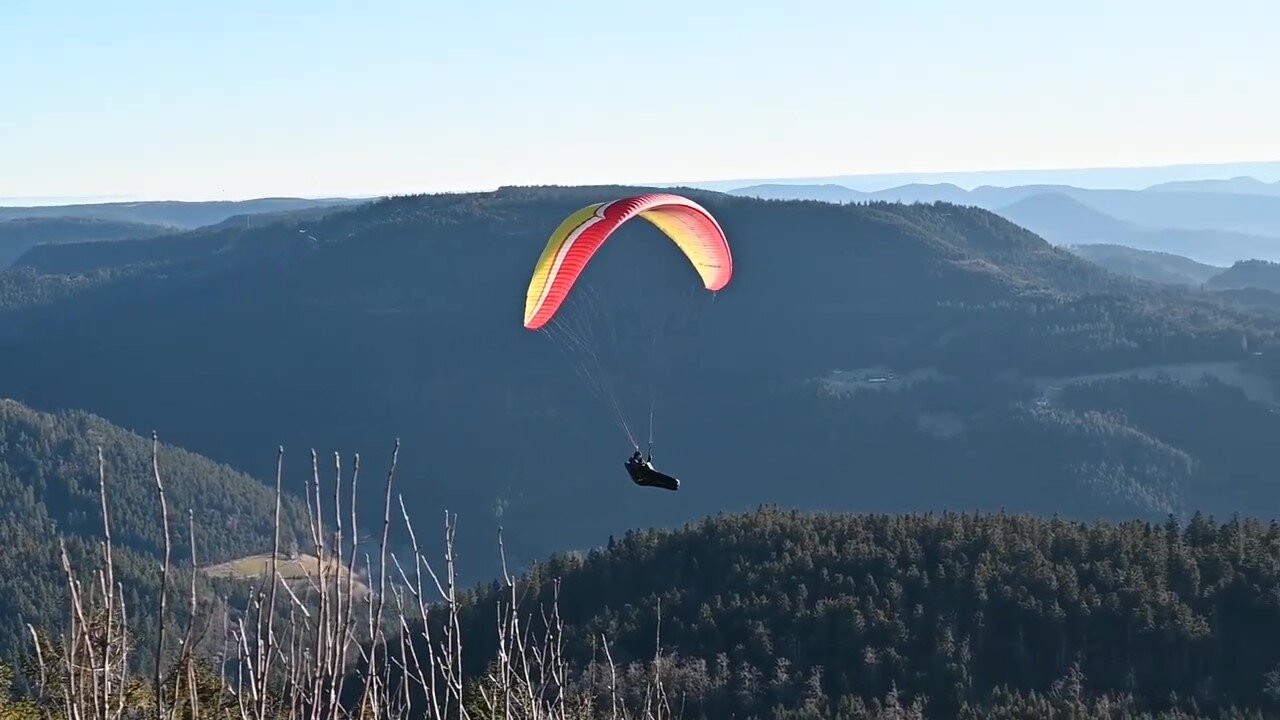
[571, 246]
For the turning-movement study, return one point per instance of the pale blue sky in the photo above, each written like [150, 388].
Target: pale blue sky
[232, 99]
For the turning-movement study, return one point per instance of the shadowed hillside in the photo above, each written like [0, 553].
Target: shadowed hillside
[969, 615]
[401, 318]
[1146, 264]
[50, 494]
[19, 236]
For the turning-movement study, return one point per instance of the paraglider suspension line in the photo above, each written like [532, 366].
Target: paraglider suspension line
[586, 364]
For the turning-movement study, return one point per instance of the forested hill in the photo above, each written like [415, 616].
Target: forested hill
[778, 614]
[172, 212]
[401, 318]
[19, 236]
[1147, 265]
[49, 493]
[1258, 274]
[882, 266]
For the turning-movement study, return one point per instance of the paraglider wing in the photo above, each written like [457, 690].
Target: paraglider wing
[571, 246]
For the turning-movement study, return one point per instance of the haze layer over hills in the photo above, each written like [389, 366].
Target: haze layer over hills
[1210, 221]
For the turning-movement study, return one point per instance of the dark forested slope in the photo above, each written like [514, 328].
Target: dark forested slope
[20, 235]
[49, 493]
[976, 614]
[401, 318]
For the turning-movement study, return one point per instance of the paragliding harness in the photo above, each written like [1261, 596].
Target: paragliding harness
[643, 473]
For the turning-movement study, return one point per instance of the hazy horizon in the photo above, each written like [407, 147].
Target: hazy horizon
[1121, 177]
[237, 100]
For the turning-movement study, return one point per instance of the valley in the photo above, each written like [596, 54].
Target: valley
[687, 361]
[402, 322]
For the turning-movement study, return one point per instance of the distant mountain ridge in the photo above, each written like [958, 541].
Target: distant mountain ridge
[1054, 217]
[1066, 221]
[173, 213]
[1129, 178]
[1189, 210]
[1146, 264]
[1242, 185]
[1212, 227]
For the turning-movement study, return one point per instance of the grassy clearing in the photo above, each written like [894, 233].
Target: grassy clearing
[302, 568]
